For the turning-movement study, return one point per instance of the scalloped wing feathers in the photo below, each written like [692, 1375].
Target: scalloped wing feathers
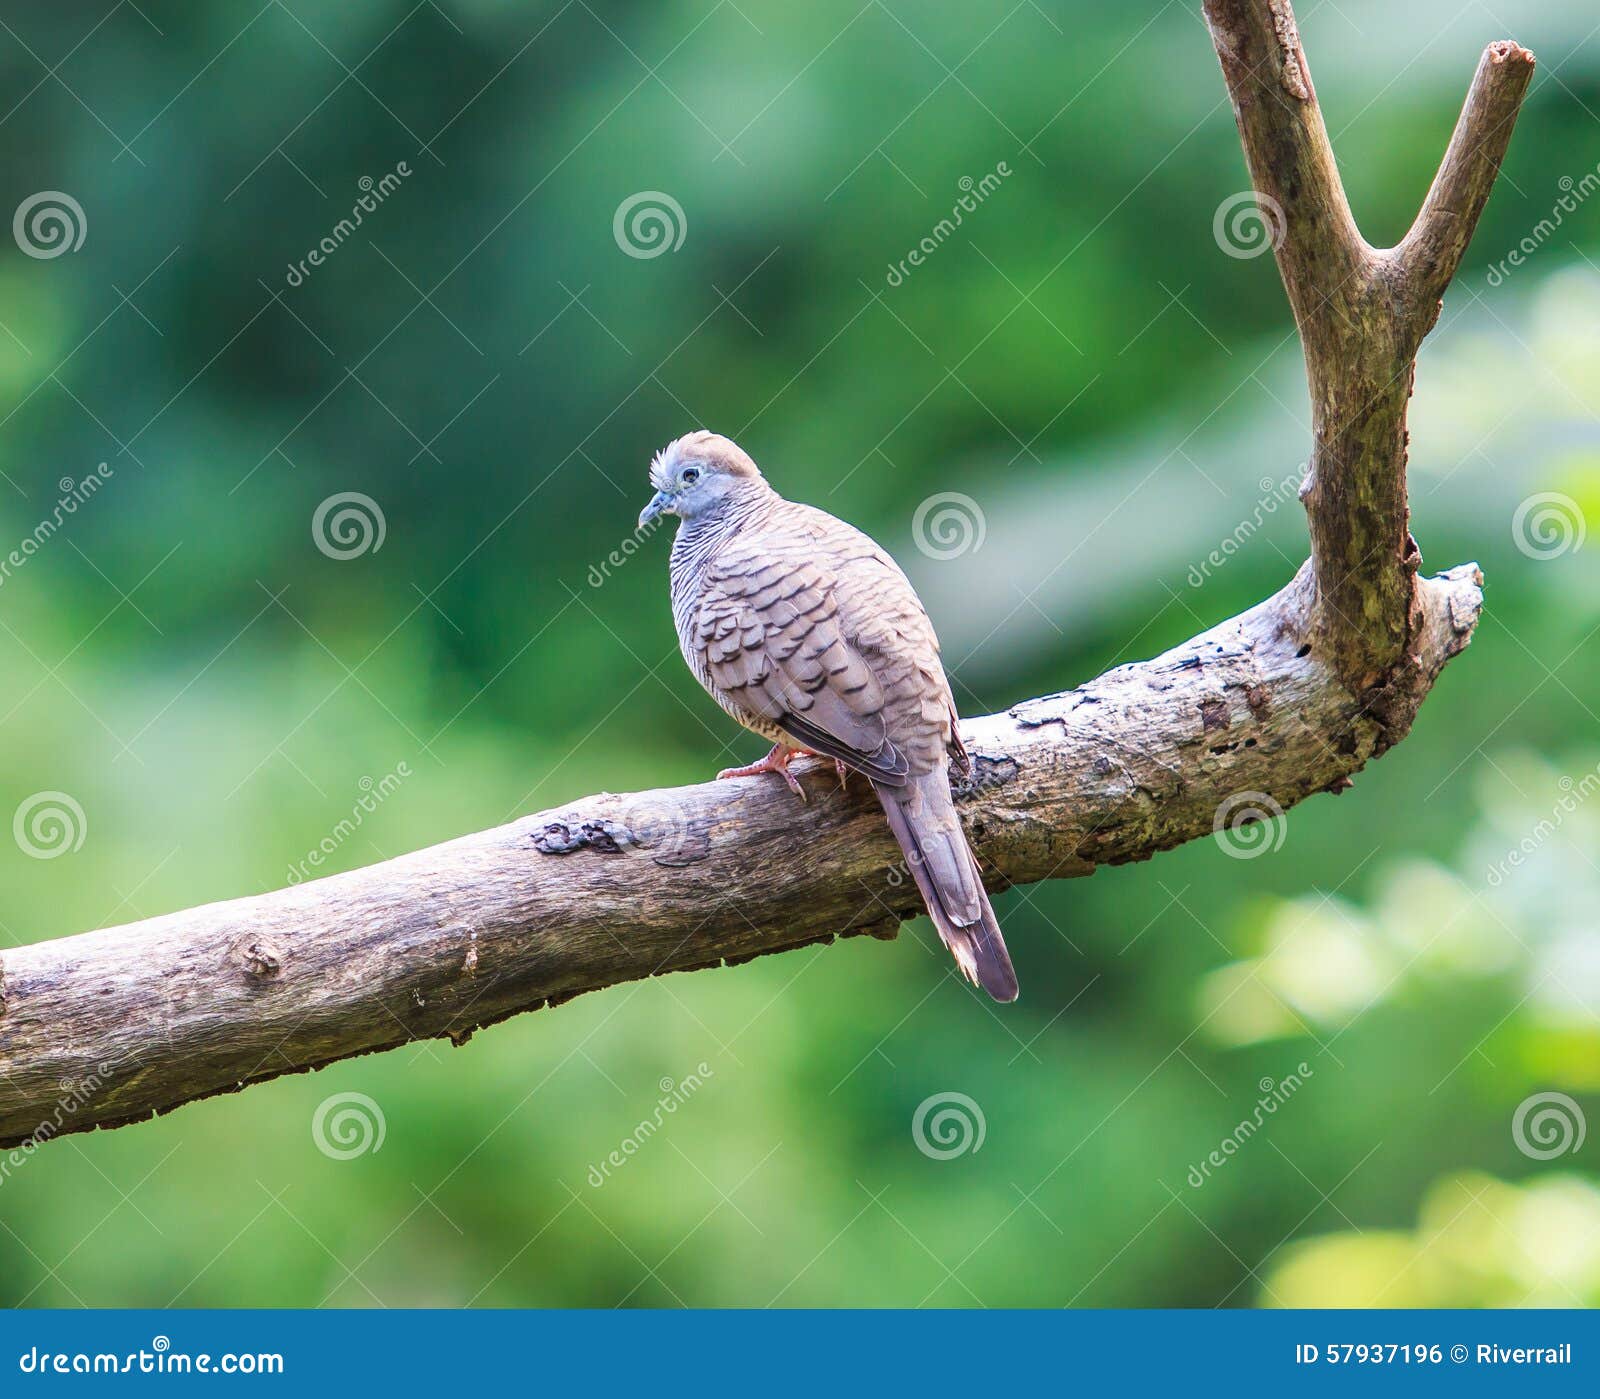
[807, 632]
[805, 624]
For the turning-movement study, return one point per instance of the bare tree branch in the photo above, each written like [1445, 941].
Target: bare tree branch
[1430, 253]
[139, 1019]
[1288, 699]
[1320, 252]
[1361, 313]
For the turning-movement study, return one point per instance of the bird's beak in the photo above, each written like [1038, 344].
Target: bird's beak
[660, 504]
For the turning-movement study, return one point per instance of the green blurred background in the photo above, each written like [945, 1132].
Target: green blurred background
[484, 361]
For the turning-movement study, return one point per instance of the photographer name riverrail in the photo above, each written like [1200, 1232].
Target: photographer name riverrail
[1525, 1355]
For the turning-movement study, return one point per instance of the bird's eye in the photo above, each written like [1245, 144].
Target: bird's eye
[691, 475]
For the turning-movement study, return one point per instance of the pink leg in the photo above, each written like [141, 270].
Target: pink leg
[839, 765]
[777, 761]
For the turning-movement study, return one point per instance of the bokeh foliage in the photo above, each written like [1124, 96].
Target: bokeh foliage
[484, 361]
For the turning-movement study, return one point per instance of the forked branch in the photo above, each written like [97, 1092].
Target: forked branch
[1362, 312]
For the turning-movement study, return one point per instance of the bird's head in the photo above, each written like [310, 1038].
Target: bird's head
[697, 475]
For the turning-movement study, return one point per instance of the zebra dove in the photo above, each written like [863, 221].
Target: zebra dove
[808, 633]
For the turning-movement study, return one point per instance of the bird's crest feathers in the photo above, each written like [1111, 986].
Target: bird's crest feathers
[717, 452]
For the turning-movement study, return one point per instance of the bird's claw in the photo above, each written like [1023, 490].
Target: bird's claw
[776, 761]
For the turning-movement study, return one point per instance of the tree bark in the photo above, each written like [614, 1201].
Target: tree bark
[1218, 736]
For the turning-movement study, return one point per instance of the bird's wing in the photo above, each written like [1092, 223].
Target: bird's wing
[775, 644]
[809, 625]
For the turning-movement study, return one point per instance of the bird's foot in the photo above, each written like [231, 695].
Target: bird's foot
[839, 765]
[777, 761]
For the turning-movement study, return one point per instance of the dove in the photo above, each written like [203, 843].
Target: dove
[807, 633]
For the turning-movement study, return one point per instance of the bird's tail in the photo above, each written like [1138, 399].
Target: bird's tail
[923, 819]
